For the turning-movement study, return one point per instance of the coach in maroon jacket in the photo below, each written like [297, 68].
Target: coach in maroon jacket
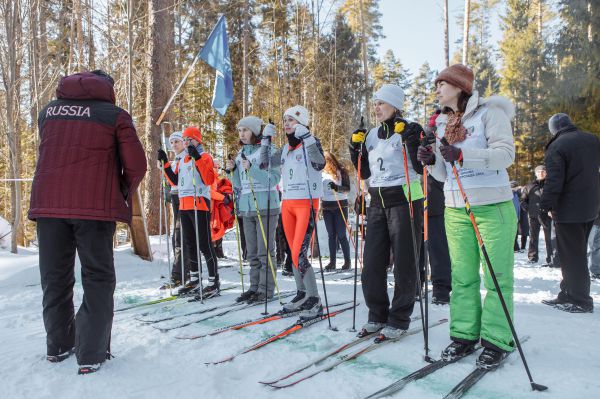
[90, 161]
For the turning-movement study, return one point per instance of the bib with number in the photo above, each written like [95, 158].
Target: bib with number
[474, 178]
[254, 159]
[294, 176]
[328, 193]
[386, 161]
[187, 177]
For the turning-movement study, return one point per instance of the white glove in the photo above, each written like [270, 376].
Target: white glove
[301, 132]
[269, 130]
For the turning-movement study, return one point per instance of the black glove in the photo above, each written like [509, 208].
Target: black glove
[193, 152]
[427, 139]
[333, 186]
[227, 199]
[162, 157]
[412, 134]
[426, 155]
[451, 153]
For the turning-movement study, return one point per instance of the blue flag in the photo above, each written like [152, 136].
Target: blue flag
[216, 54]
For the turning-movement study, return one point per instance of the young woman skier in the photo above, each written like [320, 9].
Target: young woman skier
[334, 204]
[382, 161]
[302, 181]
[252, 182]
[478, 140]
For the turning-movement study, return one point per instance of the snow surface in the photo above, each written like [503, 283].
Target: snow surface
[563, 352]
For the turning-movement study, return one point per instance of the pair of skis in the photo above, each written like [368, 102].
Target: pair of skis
[248, 323]
[457, 392]
[224, 310]
[297, 326]
[285, 381]
[168, 299]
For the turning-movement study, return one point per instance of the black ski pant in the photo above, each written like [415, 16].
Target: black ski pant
[89, 331]
[336, 232]
[284, 254]
[571, 239]
[176, 242]
[203, 235]
[535, 223]
[439, 257]
[242, 236]
[390, 229]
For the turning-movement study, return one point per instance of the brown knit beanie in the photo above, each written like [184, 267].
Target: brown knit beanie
[457, 75]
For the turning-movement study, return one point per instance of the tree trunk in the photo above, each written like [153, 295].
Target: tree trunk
[446, 36]
[10, 78]
[245, 60]
[90, 26]
[465, 54]
[160, 65]
[363, 38]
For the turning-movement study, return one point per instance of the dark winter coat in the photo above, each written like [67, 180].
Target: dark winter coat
[572, 188]
[90, 158]
[531, 195]
[435, 194]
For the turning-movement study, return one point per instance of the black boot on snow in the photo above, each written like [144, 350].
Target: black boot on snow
[245, 296]
[174, 283]
[60, 357]
[490, 358]
[457, 349]
[346, 265]
[330, 266]
[211, 290]
[258, 297]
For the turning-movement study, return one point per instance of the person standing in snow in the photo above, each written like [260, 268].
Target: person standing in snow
[530, 199]
[301, 181]
[334, 203]
[176, 141]
[388, 215]
[572, 195]
[194, 174]
[480, 143]
[250, 180]
[90, 162]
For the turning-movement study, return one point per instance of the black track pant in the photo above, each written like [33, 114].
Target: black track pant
[204, 241]
[89, 331]
[176, 241]
[389, 229]
[542, 221]
[571, 239]
[439, 257]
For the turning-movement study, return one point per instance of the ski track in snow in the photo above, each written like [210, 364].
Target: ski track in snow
[563, 352]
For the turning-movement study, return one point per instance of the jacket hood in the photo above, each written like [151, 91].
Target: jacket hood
[85, 86]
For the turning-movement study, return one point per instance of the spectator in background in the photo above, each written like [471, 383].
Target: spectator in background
[572, 194]
[530, 198]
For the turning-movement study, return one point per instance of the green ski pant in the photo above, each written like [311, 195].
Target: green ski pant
[469, 320]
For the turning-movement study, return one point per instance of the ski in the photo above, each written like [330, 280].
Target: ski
[300, 324]
[248, 323]
[352, 356]
[224, 312]
[471, 379]
[417, 375]
[324, 357]
[167, 299]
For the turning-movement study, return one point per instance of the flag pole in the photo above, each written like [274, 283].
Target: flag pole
[183, 80]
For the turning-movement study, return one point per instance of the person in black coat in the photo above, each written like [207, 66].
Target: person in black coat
[530, 200]
[572, 195]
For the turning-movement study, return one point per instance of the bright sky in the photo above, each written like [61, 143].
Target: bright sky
[414, 30]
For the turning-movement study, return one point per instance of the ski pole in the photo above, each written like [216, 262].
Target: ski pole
[534, 386]
[398, 128]
[262, 230]
[163, 201]
[196, 231]
[426, 250]
[237, 231]
[268, 222]
[316, 234]
[358, 192]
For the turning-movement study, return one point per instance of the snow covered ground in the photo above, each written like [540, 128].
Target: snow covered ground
[563, 352]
